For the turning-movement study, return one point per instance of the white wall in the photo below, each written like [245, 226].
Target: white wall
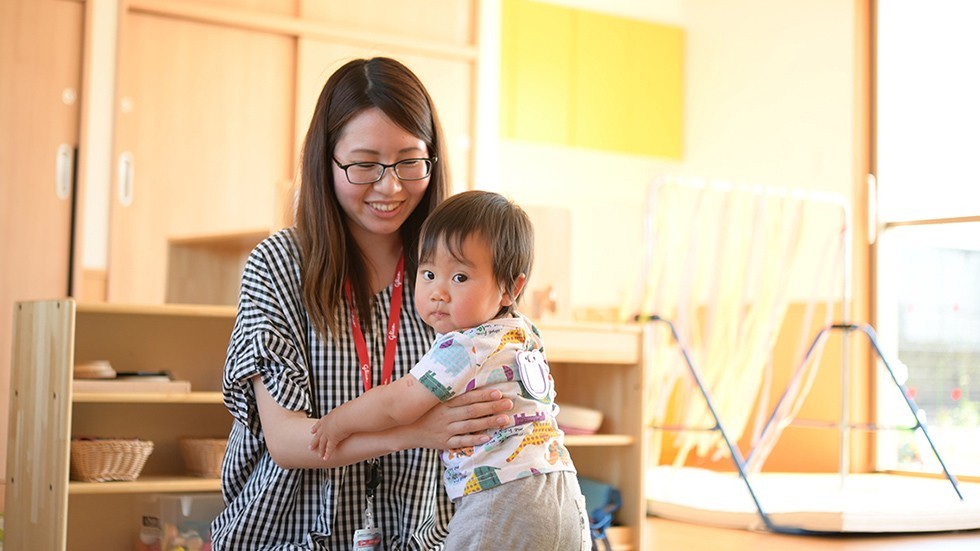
[770, 91]
[769, 99]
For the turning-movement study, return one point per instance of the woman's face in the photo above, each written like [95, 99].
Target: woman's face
[376, 211]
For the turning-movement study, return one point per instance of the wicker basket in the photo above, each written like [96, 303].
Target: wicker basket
[203, 456]
[101, 460]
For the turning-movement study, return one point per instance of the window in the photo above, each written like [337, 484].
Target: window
[928, 276]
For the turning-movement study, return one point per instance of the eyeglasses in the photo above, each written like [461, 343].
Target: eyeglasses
[405, 169]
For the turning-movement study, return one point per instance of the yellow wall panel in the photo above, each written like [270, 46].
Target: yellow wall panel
[585, 79]
[509, 67]
[600, 110]
[655, 90]
[535, 71]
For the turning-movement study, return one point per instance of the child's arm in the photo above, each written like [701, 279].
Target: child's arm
[457, 423]
[402, 402]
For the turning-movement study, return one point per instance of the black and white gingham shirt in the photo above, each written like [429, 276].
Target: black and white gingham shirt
[315, 509]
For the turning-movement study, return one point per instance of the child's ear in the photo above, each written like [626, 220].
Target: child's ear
[511, 298]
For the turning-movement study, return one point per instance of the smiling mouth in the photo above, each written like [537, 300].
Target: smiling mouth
[385, 207]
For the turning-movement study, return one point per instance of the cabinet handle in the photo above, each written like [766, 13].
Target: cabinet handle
[64, 171]
[125, 177]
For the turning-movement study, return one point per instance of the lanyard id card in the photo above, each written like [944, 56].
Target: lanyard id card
[369, 537]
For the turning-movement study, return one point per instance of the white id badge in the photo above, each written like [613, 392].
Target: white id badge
[367, 539]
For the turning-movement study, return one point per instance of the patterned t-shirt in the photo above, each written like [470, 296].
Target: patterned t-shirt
[506, 354]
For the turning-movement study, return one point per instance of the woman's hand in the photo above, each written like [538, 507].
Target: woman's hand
[460, 422]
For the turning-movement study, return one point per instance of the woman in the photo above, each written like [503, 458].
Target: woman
[317, 304]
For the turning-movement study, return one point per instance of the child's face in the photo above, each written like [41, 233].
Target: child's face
[453, 295]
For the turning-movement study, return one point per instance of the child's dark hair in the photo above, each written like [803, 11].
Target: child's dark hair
[499, 221]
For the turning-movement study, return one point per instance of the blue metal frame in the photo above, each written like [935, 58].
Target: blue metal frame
[732, 448]
[737, 458]
[872, 338]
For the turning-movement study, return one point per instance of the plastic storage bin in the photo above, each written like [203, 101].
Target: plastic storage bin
[177, 521]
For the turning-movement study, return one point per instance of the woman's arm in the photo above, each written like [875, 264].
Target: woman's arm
[454, 424]
[402, 402]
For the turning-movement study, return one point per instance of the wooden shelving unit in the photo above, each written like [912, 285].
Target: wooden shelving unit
[207, 269]
[147, 485]
[147, 397]
[45, 510]
[597, 366]
[600, 366]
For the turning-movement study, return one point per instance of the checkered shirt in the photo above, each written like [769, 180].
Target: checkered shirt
[315, 509]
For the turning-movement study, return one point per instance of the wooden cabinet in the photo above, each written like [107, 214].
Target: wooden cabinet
[44, 509]
[597, 366]
[601, 366]
[203, 136]
[204, 127]
[213, 101]
[207, 269]
[197, 146]
[39, 136]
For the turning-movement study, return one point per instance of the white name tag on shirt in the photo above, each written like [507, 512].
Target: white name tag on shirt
[534, 373]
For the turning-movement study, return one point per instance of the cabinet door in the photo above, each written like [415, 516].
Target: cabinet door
[40, 64]
[447, 22]
[203, 139]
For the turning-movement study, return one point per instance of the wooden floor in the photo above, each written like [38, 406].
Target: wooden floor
[668, 535]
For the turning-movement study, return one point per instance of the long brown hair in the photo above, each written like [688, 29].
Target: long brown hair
[329, 255]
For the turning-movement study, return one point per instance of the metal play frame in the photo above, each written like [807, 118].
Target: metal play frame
[736, 455]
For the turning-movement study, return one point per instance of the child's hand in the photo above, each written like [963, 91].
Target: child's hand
[326, 437]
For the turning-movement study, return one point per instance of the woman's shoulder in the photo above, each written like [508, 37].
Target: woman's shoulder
[274, 263]
[283, 240]
[280, 248]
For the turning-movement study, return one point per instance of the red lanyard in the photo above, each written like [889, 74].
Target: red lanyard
[394, 315]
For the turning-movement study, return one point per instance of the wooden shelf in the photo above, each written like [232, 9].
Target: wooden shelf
[188, 341]
[601, 366]
[602, 344]
[148, 397]
[146, 485]
[207, 269]
[598, 366]
[599, 440]
[196, 310]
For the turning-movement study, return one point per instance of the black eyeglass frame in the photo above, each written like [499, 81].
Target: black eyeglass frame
[384, 168]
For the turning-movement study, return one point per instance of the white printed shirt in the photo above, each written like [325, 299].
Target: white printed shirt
[488, 356]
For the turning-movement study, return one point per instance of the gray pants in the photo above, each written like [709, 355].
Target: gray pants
[537, 513]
